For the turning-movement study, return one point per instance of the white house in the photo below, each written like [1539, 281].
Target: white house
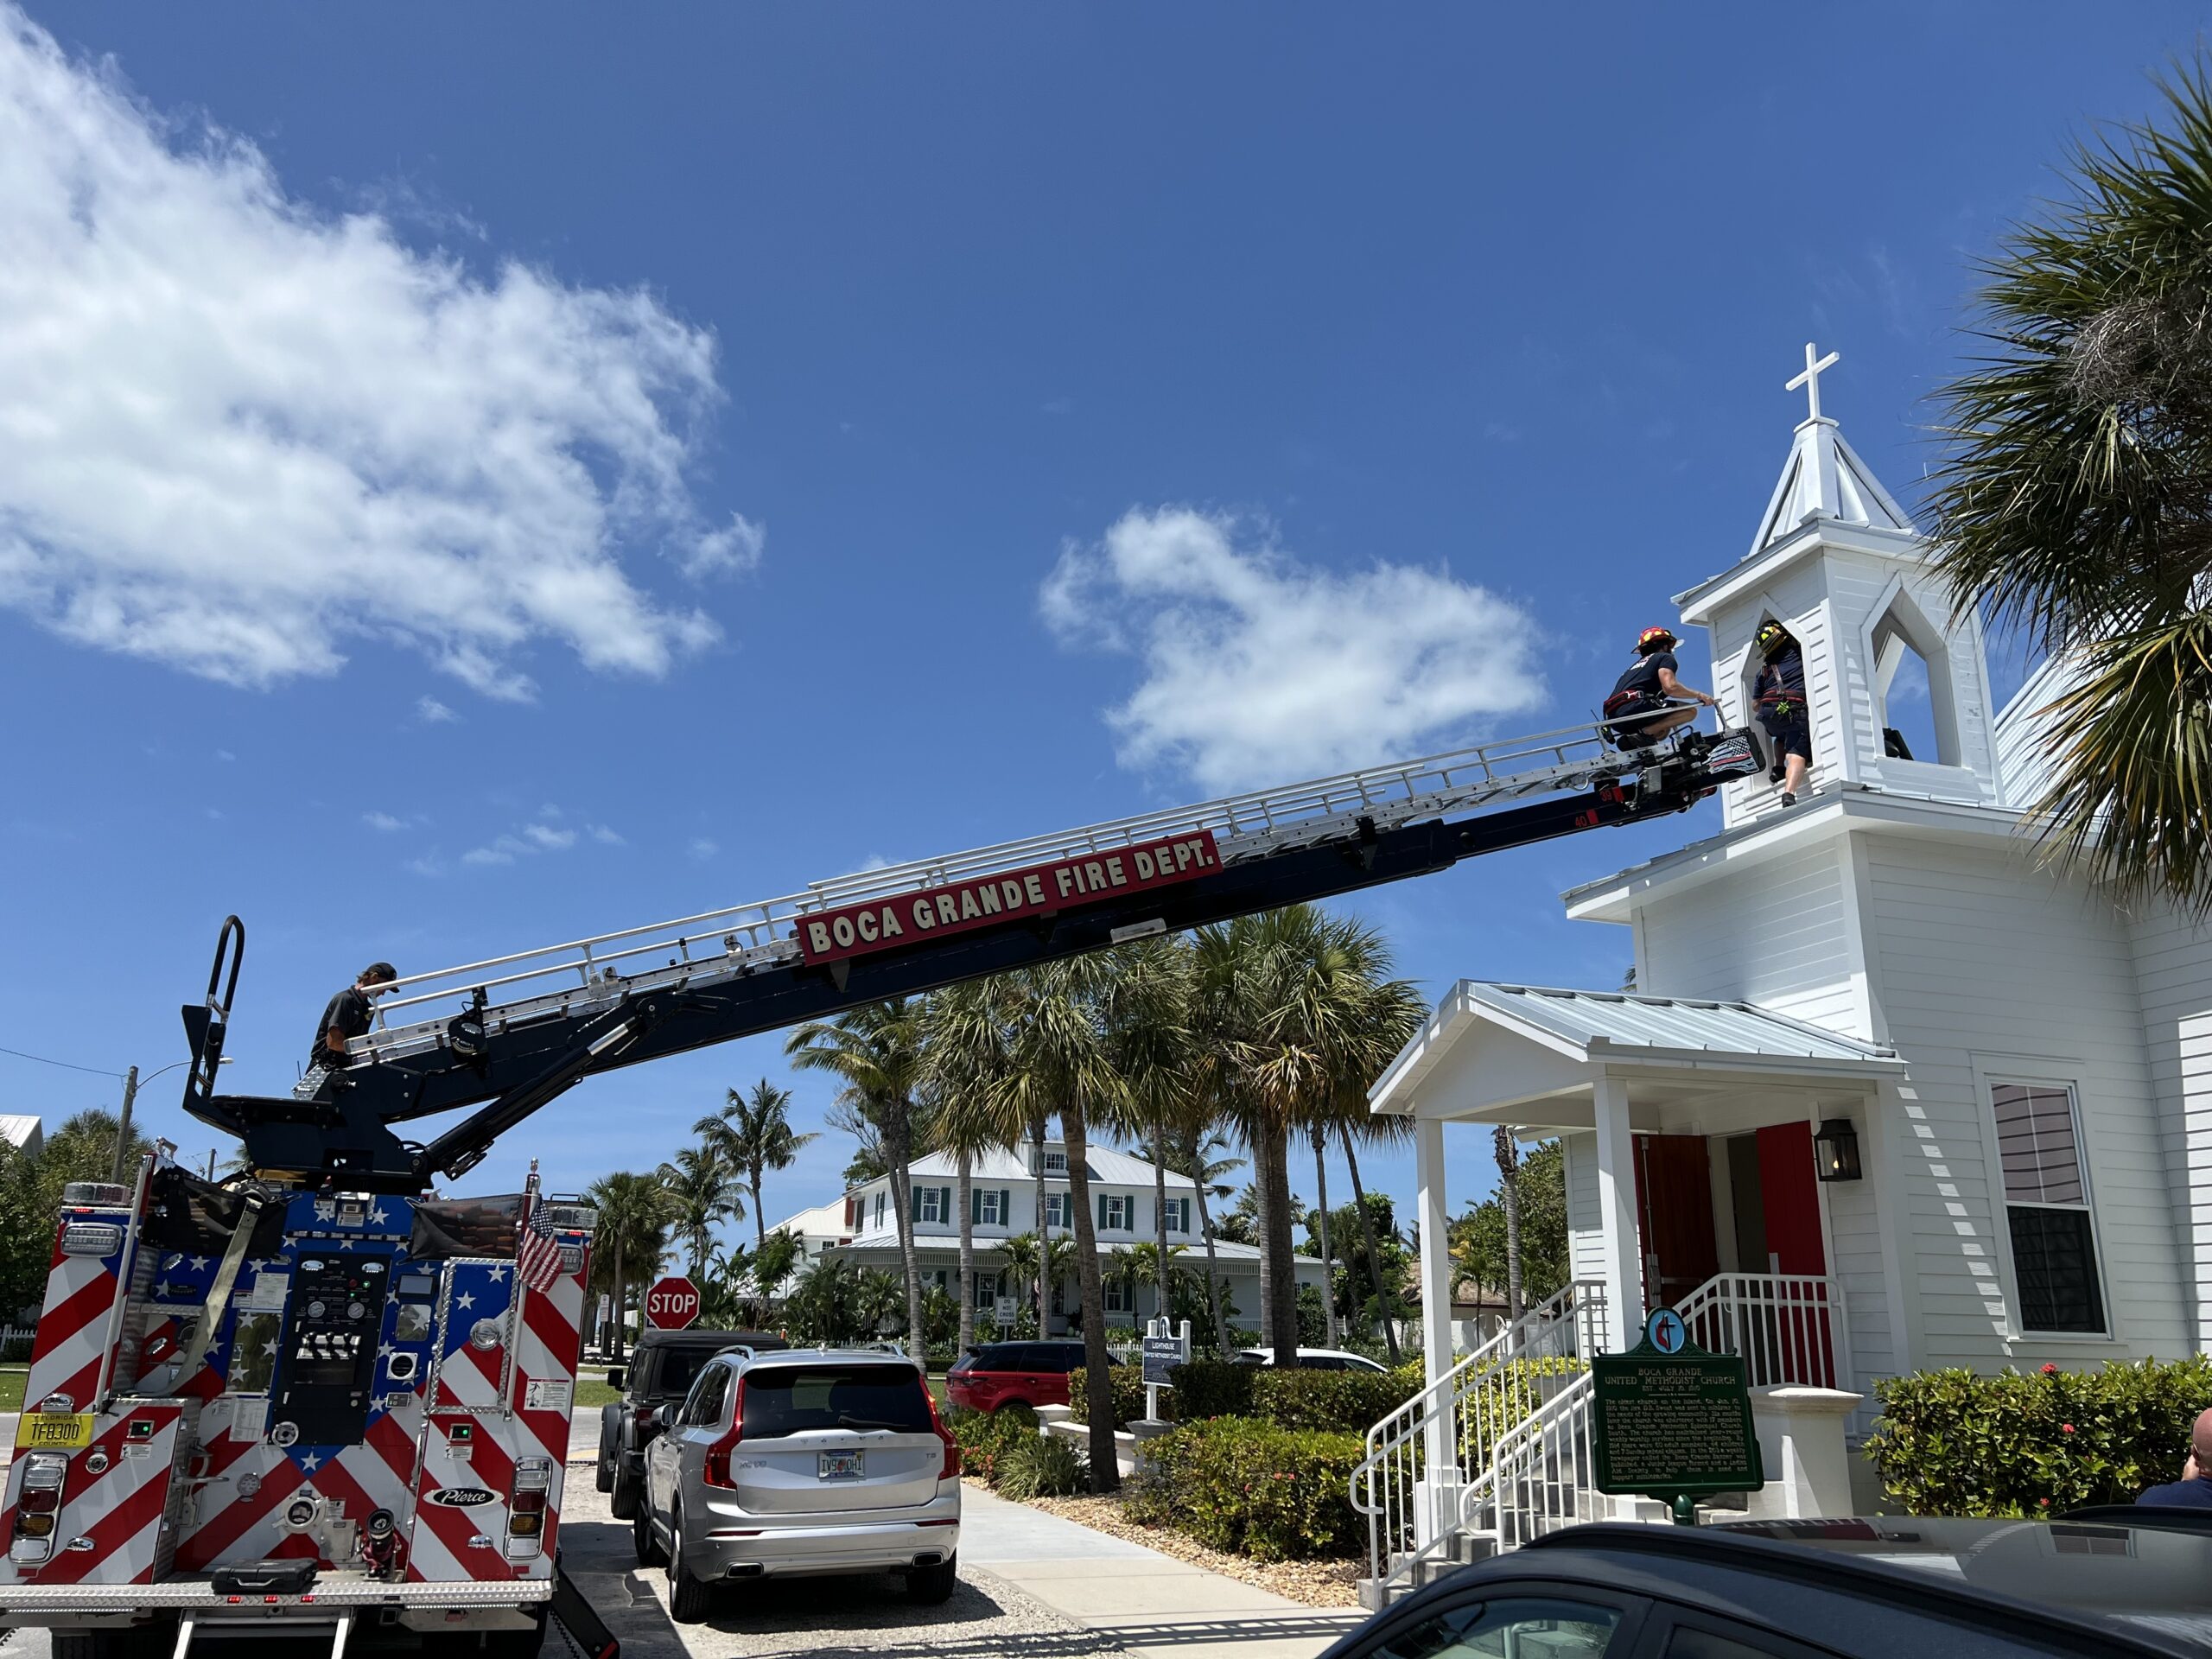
[1004, 1201]
[1892, 1093]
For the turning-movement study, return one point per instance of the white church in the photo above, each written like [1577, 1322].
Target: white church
[1890, 1092]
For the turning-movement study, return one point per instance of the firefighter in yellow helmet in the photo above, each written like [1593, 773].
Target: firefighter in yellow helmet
[1778, 698]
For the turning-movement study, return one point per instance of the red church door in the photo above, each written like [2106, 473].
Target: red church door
[1797, 1331]
[1673, 1213]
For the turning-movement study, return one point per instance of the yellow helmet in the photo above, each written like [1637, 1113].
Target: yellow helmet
[1770, 638]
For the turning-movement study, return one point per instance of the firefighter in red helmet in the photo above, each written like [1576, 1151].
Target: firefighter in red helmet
[1651, 687]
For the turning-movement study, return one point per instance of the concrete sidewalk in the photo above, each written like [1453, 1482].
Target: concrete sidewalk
[1156, 1607]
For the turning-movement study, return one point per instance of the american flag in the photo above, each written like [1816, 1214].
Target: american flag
[538, 1258]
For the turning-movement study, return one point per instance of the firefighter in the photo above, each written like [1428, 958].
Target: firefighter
[347, 1015]
[1778, 695]
[1650, 687]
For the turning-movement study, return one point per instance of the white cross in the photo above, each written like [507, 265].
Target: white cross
[1811, 378]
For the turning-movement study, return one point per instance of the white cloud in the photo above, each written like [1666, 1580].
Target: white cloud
[702, 849]
[538, 835]
[1259, 668]
[237, 433]
[432, 712]
[384, 821]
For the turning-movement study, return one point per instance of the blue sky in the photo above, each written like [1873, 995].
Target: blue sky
[530, 472]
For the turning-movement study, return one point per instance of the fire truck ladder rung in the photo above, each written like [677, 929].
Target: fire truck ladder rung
[582, 975]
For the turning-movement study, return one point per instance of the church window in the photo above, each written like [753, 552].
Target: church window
[2047, 1209]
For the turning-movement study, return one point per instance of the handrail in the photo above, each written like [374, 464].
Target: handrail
[1788, 1327]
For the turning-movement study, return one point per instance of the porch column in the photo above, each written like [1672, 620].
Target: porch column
[1616, 1211]
[1436, 1508]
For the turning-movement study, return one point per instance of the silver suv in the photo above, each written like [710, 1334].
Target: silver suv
[809, 1461]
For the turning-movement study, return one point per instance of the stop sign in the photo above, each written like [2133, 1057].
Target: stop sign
[672, 1303]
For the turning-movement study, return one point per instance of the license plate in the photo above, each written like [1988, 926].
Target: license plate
[838, 1465]
[71, 1430]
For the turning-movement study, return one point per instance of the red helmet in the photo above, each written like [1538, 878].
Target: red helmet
[1653, 639]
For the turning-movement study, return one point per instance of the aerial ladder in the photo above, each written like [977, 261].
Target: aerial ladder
[323, 1399]
[509, 1033]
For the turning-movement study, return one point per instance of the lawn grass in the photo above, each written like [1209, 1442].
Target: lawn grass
[12, 1378]
[592, 1393]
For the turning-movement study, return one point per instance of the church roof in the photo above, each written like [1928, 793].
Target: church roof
[1619, 1019]
[1822, 480]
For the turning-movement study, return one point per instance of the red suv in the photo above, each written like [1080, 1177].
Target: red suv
[1014, 1374]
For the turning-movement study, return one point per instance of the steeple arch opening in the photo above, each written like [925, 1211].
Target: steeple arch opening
[1915, 695]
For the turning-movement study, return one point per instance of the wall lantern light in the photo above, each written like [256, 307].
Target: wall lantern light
[1836, 1150]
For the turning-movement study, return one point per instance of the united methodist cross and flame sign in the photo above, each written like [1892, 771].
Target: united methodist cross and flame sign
[1080, 878]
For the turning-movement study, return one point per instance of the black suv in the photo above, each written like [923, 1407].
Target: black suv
[660, 1372]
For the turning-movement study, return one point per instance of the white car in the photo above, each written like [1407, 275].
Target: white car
[800, 1462]
[1312, 1359]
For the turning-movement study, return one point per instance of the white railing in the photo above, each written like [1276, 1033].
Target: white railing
[1542, 1473]
[582, 974]
[1412, 1499]
[1788, 1327]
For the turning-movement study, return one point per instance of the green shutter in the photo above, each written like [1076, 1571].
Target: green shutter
[1005, 1208]
[945, 1203]
[1102, 1211]
[974, 1205]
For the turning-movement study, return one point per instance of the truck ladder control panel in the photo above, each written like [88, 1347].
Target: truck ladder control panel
[509, 1033]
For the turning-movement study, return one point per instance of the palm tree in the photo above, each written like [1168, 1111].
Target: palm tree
[2076, 499]
[1192, 1156]
[752, 1135]
[1292, 1006]
[701, 1191]
[633, 1211]
[1509, 1197]
[875, 1051]
[1148, 1014]
[1320, 1133]
[964, 1041]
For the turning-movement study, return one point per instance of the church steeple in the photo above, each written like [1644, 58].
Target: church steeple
[1837, 563]
[1823, 478]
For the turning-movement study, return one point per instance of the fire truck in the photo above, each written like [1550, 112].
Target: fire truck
[319, 1397]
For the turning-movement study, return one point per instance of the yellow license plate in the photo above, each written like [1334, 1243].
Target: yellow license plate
[70, 1430]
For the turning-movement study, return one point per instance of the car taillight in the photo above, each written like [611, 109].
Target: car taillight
[36, 1500]
[715, 1470]
[642, 1420]
[526, 1501]
[949, 1469]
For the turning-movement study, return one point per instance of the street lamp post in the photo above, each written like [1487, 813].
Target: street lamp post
[129, 1094]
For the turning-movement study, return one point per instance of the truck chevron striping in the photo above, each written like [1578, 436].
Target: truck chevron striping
[1082, 878]
[365, 1355]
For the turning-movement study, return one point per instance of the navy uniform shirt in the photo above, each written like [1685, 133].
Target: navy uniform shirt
[2181, 1494]
[349, 1011]
[1643, 676]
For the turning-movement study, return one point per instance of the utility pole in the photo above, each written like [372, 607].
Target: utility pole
[122, 1130]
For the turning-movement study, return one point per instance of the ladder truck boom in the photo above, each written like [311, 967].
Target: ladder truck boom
[509, 1034]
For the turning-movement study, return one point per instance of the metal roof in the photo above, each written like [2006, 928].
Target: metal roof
[1625, 1020]
[1107, 1166]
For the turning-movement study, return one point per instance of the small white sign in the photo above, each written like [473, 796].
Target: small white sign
[549, 1393]
[1004, 1309]
[267, 1293]
[249, 1421]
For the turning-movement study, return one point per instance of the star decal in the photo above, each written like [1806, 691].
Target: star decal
[310, 1463]
[464, 1300]
[497, 1274]
[345, 1243]
[379, 1215]
[256, 1262]
[199, 1264]
[384, 1351]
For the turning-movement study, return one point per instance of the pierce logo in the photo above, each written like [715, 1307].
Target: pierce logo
[460, 1497]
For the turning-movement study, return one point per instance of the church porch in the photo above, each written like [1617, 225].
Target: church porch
[1689, 1128]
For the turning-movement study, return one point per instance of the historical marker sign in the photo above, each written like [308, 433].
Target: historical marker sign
[1673, 1422]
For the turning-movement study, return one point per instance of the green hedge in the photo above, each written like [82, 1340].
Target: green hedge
[1235, 1483]
[1337, 1402]
[1950, 1442]
[1129, 1394]
[987, 1437]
